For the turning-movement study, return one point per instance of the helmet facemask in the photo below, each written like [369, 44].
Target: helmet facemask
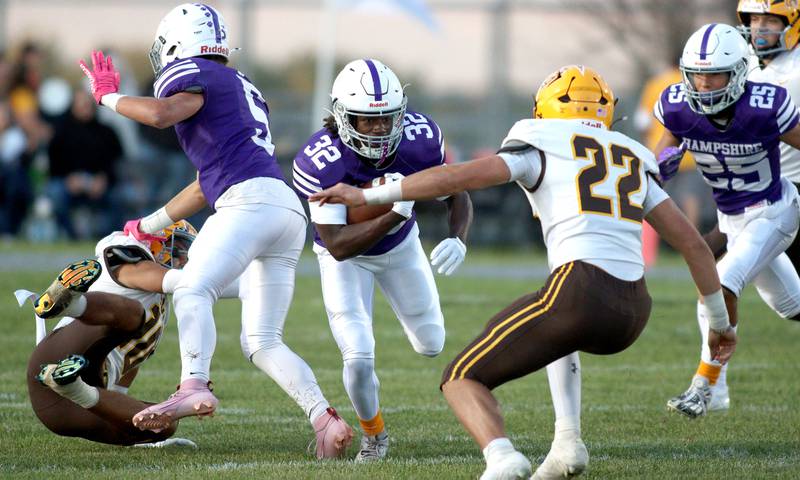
[715, 101]
[173, 251]
[376, 149]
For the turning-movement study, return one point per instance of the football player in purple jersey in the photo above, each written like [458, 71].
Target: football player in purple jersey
[370, 134]
[256, 232]
[734, 127]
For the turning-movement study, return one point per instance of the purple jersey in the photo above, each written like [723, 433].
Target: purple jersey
[742, 162]
[228, 140]
[325, 161]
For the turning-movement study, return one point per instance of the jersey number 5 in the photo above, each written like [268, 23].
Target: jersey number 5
[597, 174]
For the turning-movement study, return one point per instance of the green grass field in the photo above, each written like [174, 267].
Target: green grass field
[259, 433]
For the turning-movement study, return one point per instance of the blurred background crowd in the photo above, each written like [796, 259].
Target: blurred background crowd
[71, 170]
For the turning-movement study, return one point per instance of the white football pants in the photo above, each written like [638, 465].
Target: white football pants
[405, 277]
[262, 244]
[756, 241]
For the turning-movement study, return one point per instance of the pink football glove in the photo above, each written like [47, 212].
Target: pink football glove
[103, 77]
[669, 160]
[132, 228]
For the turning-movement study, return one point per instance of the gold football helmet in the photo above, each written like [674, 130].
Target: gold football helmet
[788, 10]
[575, 92]
[177, 239]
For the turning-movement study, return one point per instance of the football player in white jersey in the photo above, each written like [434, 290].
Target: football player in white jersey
[591, 187]
[79, 374]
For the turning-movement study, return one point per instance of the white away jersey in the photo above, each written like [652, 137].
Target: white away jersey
[130, 354]
[591, 188]
[783, 70]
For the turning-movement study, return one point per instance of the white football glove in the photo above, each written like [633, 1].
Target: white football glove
[448, 255]
[405, 208]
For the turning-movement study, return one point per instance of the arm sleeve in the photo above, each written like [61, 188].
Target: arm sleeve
[655, 195]
[525, 166]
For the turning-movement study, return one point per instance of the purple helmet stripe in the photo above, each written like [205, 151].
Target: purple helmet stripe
[215, 19]
[376, 80]
[704, 43]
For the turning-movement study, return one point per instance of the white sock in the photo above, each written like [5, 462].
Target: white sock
[564, 377]
[197, 334]
[498, 447]
[78, 391]
[362, 386]
[294, 376]
[76, 307]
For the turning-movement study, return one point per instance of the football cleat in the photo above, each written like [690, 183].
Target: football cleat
[62, 373]
[373, 447]
[566, 459]
[692, 403]
[333, 435]
[193, 398]
[71, 282]
[510, 467]
[720, 400]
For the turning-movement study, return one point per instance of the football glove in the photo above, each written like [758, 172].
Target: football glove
[448, 255]
[132, 228]
[103, 77]
[669, 160]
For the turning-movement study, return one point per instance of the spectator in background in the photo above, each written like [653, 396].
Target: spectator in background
[83, 156]
[160, 147]
[22, 95]
[16, 192]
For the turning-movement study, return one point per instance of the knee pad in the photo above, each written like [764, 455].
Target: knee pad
[359, 368]
[428, 339]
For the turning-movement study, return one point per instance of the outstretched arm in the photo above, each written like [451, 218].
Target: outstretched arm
[160, 113]
[673, 226]
[431, 183]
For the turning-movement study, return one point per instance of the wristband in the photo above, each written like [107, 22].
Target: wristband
[715, 311]
[156, 221]
[387, 193]
[110, 100]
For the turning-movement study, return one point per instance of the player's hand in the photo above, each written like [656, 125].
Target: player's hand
[722, 344]
[103, 77]
[340, 193]
[669, 160]
[132, 228]
[448, 255]
[393, 177]
[404, 208]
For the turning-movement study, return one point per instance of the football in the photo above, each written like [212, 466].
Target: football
[368, 212]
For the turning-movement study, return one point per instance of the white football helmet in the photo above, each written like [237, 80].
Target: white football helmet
[189, 30]
[369, 88]
[714, 48]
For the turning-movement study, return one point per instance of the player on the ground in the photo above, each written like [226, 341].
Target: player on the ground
[78, 375]
[733, 128]
[591, 188]
[258, 227]
[371, 135]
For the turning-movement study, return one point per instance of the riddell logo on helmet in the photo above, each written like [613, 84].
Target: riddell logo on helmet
[215, 49]
[378, 104]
